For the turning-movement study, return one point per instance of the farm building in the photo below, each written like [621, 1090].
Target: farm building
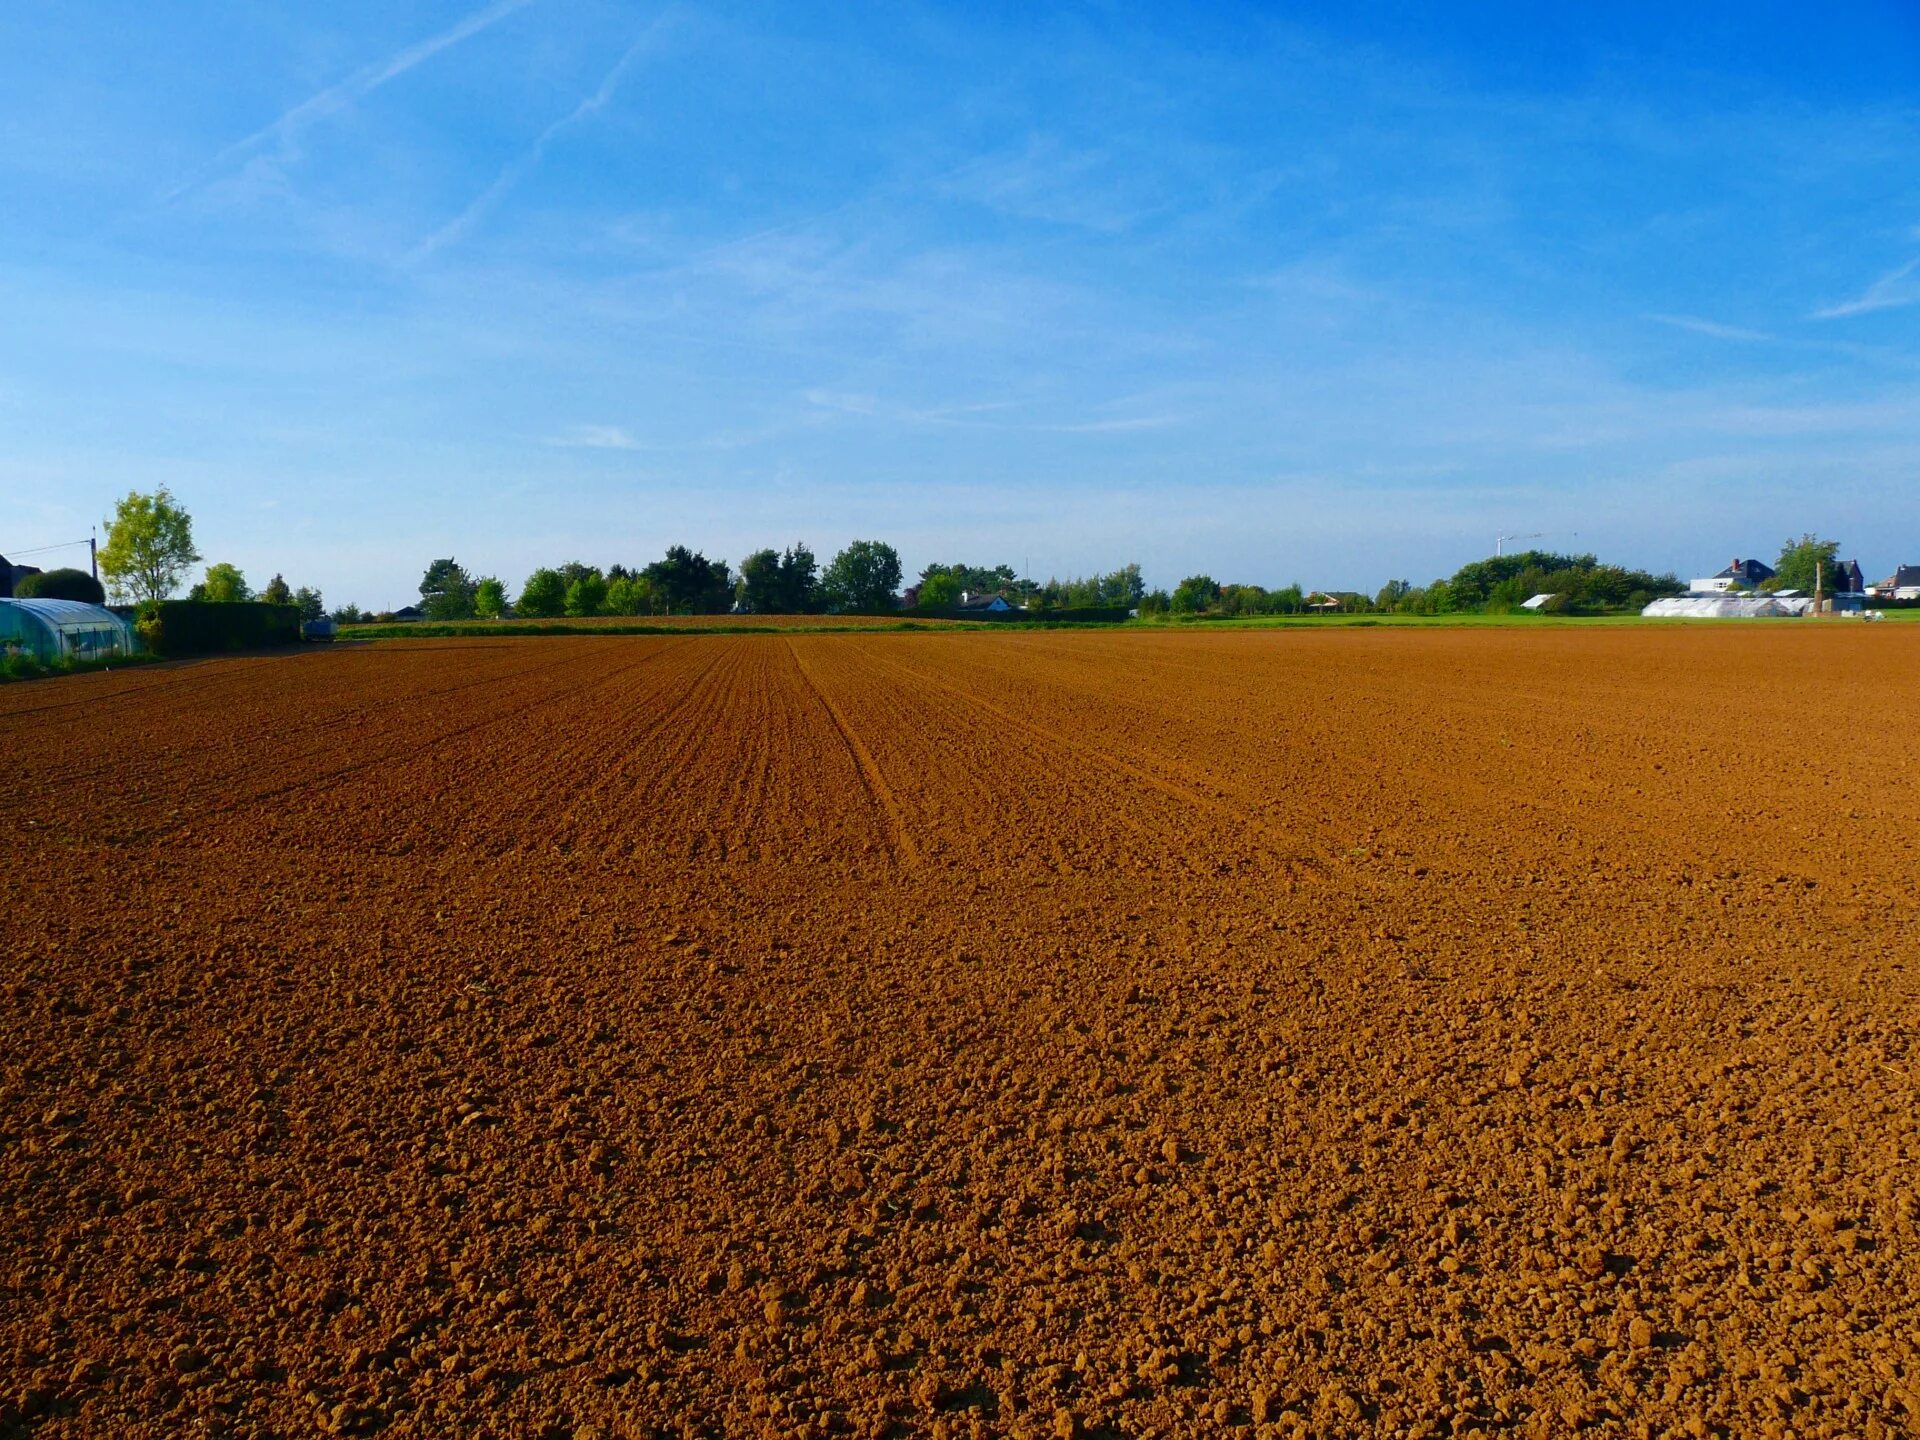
[1741, 575]
[52, 630]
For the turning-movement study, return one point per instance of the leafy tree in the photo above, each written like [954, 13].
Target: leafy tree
[62, 584]
[760, 588]
[690, 584]
[939, 592]
[628, 594]
[224, 585]
[575, 570]
[1392, 593]
[1803, 563]
[982, 578]
[1507, 580]
[446, 591]
[799, 580]
[1155, 602]
[149, 546]
[312, 607]
[1117, 587]
[543, 596]
[779, 582]
[586, 594]
[489, 598]
[863, 576]
[276, 592]
[348, 615]
[1194, 595]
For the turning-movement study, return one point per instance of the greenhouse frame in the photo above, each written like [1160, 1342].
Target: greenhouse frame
[54, 630]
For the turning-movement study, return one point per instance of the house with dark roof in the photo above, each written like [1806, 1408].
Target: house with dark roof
[1740, 575]
[1903, 584]
[12, 575]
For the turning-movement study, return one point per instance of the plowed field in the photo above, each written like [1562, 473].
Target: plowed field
[1406, 1033]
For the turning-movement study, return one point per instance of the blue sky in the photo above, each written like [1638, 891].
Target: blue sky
[1278, 293]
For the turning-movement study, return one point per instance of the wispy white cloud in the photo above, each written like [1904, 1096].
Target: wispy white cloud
[1713, 328]
[969, 416]
[1897, 288]
[595, 437]
[1110, 427]
[283, 134]
[1051, 183]
[842, 402]
[523, 164]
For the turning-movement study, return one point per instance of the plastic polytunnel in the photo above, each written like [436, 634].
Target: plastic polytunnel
[51, 630]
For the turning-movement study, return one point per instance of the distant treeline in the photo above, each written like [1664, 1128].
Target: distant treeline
[1579, 585]
[861, 578]
[865, 578]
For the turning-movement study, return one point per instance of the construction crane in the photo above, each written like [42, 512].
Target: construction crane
[1500, 541]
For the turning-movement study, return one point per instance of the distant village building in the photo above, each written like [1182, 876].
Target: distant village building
[11, 575]
[1740, 575]
[1903, 584]
[971, 603]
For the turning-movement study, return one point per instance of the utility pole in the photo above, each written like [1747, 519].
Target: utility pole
[93, 552]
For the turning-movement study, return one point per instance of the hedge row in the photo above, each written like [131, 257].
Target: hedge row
[206, 627]
[1039, 615]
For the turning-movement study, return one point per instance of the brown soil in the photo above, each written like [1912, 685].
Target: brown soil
[1411, 1033]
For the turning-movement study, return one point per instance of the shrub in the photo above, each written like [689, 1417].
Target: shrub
[61, 585]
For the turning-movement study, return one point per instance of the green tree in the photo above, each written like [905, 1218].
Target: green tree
[1803, 563]
[799, 580]
[1392, 593]
[276, 592]
[65, 583]
[348, 615]
[223, 585]
[1194, 595]
[149, 547]
[628, 595]
[543, 596]
[1155, 602]
[489, 598]
[760, 588]
[863, 577]
[586, 595]
[446, 591]
[689, 583]
[939, 592]
[976, 579]
[310, 605]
